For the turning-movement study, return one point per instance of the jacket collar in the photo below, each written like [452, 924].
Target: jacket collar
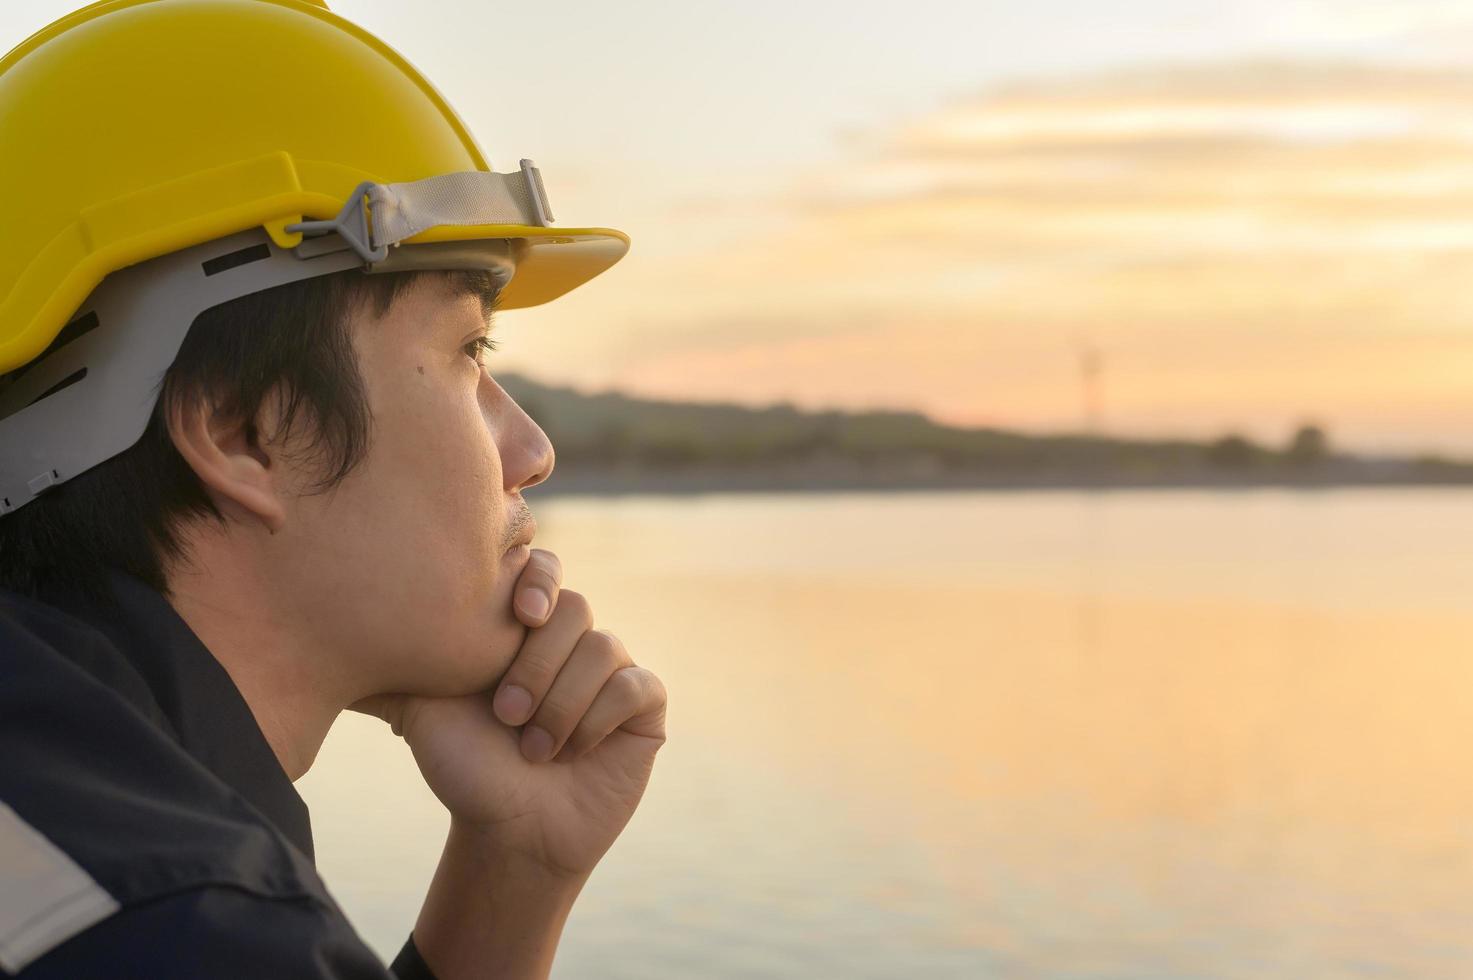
[197, 697]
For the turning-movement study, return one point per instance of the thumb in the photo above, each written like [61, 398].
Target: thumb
[388, 707]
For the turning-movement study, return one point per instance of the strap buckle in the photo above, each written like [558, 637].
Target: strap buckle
[351, 225]
[404, 209]
[537, 193]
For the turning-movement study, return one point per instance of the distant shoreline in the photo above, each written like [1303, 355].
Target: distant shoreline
[610, 444]
[614, 483]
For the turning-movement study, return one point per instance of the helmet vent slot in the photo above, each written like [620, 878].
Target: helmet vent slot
[70, 332]
[65, 382]
[231, 260]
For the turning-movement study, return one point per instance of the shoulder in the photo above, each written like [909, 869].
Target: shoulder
[107, 826]
[28, 626]
[49, 652]
[56, 920]
[218, 932]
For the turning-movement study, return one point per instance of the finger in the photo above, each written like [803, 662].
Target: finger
[537, 587]
[388, 707]
[632, 699]
[541, 656]
[597, 655]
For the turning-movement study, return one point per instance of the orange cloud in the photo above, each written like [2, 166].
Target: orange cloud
[1247, 244]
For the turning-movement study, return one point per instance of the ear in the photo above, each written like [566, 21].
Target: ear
[227, 456]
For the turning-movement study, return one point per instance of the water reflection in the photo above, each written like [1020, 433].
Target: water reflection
[963, 735]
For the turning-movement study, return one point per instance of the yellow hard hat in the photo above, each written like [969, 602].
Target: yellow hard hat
[136, 128]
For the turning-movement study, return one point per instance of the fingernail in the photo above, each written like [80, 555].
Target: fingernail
[513, 704]
[536, 744]
[535, 603]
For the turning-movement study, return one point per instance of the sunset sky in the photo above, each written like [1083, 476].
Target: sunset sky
[1253, 214]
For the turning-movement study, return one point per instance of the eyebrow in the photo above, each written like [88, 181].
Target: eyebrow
[484, 284]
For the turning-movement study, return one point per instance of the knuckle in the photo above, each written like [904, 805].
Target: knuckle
[604, 645]
[616, 643]
[575, 606]
[628, 683]
[555, 716]
[655, 686]
[533, 673]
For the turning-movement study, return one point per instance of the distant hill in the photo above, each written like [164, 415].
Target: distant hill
[609, 441]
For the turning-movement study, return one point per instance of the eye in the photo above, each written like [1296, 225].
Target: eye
[478, 348]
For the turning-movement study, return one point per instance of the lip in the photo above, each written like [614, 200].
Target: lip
[523, 543]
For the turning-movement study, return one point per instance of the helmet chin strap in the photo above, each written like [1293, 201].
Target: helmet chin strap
[377, 216]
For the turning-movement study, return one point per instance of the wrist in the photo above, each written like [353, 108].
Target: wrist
[492, 912]
[487, 846]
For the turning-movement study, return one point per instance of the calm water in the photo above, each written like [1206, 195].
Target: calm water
[1013, 735]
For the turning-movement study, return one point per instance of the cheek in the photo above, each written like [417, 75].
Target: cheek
[462, 600]
[438, 431]
[470, 461]
[453, 471]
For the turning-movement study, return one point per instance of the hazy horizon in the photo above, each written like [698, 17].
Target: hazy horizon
[1247, 216]
[1272, 440]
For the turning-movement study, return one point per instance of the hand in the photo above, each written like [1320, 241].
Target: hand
[603, 716]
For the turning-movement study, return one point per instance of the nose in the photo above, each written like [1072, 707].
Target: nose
[527, 456]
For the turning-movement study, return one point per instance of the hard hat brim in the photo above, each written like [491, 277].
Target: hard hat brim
[554, 262]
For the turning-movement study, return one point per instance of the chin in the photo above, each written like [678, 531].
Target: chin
[483, 661]
[466, 646]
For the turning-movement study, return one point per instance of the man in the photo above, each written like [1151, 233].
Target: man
[254, 470]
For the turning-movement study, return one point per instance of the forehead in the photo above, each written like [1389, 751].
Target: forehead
[429, 312]
[456, 285]
[441, 293]
[496, 258]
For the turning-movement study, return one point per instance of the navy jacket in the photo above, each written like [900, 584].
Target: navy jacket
[146, 827]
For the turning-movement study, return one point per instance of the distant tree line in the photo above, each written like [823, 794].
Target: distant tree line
[610, 430]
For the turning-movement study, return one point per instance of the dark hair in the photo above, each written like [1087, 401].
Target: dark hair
[128, 512]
